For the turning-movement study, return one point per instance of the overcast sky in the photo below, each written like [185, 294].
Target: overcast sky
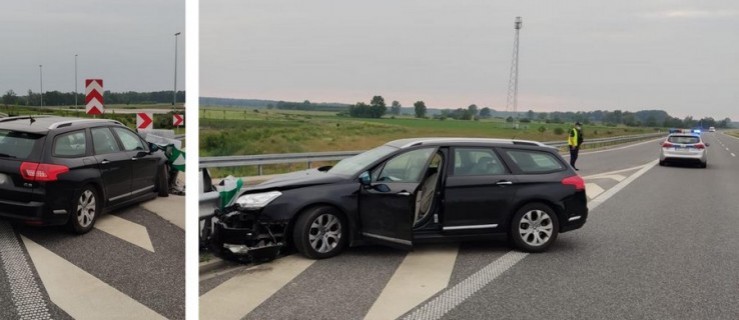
[680, 56]
[130, 44]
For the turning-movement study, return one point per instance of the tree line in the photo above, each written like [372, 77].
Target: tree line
[57, 98]
[644, 118]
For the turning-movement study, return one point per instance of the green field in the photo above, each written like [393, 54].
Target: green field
[262, 131]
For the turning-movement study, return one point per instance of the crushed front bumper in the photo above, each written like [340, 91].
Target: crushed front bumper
[240, 235]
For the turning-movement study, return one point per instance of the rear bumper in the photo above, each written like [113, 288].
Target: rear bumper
[575, 213]
[680, 156]
[36, 213]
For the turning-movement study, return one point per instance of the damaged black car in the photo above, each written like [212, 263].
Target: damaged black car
[407, 192]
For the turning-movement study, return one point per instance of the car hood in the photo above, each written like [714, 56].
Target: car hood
[298, 179]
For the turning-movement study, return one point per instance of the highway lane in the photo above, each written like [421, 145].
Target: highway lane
[632, 249]
[663, 248]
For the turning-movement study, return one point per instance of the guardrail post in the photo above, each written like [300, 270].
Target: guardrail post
[309, 164]
[259, 170]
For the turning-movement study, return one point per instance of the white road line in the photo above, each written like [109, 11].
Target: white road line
[25, 293]
[424, 272]
[612, 191]
[592, 190]
[125, 230]
[241, 294]
[733, 155]
[727, 149]
[616, 177]
[445, 302]
[437, 307]
[171, 208]
[79, 293]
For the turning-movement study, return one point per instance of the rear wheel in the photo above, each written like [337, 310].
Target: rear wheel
[320, 233]
[534, 228]
[662, 163]
[704, 165]
[86, 209]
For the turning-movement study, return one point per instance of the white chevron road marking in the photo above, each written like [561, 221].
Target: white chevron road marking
[593, 190]
[424, 272]
[241, 294]
[80, 294]
[126, 230]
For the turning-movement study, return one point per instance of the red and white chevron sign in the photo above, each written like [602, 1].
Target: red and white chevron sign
[177, 120]
[94, 96]
[144, 121]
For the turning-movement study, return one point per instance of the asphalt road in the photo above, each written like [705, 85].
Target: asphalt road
[660, 243]
[130, 266]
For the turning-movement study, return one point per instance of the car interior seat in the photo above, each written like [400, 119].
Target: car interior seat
[425, 195]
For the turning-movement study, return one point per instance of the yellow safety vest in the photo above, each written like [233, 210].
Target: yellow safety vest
[572, 139]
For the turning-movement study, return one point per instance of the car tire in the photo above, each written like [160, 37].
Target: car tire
[661, 163]
[162, 182]
[534, 228]
[704, 165]
[320, 232]
[86, 208]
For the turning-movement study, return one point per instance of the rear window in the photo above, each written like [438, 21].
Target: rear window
[530, 161]
[17, 145]
[684, 139]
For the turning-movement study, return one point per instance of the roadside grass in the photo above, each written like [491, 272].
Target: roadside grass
[734, 133]
[261, 131]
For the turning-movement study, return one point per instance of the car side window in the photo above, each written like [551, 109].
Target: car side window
[130, 141]
[103, 141]
[477, 162]
[406, 167]
[531, 161]
[71, 144]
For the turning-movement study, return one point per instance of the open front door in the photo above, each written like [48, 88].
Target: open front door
[386, 213]
[387, 203]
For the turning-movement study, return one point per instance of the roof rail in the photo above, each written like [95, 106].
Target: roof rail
[23, 117]
[68, 123]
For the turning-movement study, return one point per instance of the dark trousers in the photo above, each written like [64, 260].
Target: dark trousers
[573, 156]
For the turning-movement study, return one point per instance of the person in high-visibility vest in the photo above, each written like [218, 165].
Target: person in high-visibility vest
[574, 141]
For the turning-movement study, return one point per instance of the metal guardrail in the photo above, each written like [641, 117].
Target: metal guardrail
[310, 157]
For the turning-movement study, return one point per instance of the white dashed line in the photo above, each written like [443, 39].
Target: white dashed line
[733, 155]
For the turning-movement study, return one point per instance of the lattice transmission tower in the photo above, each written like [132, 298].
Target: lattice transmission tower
[512, 101]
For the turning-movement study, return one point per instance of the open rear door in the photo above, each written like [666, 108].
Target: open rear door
[386, 212]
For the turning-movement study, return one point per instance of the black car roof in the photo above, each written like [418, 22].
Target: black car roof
[438, 141]
[43, 124]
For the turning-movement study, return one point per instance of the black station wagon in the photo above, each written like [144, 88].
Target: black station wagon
[410, 191]
[57, 170]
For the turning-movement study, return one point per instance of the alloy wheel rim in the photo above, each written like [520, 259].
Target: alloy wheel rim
[86, 208]
[325, 233]
[536, 228]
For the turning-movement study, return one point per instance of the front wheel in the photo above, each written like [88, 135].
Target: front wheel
[320, 233]
[86, 209]
[534, 228]
[162, 182]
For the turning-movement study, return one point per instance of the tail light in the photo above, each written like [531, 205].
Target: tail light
[576, 181]
[699, 146]
[666, 145]
[32, 171]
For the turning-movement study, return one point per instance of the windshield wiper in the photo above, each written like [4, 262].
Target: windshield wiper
[7, 156]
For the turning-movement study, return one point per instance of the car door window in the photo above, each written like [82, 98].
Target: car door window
[71, 144]
[103, 141]
[476, 162]
[130, 141]
[530, 161]
[406, 167]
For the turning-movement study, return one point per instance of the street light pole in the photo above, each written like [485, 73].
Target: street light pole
[75, 82]
[174, 93]
[41, 79]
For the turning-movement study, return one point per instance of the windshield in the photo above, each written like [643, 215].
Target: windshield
[17, 145]
[351, 166]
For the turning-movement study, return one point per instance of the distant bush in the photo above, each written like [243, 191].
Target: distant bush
[559, 131]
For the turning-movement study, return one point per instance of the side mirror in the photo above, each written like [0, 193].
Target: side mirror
[154, 147]
[365, 178]
[708, 144]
